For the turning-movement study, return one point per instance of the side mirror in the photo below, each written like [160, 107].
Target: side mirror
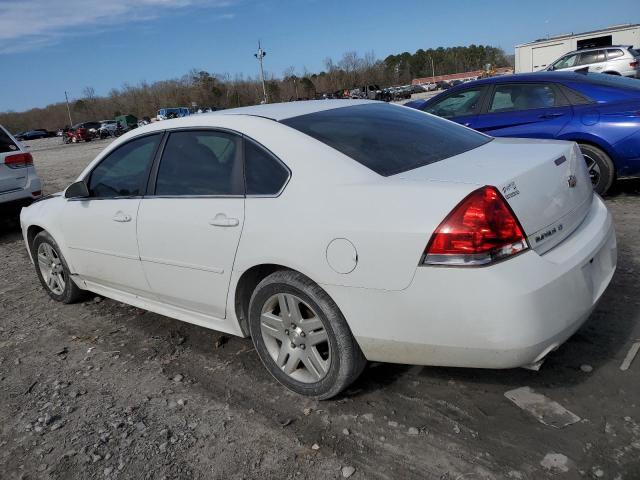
[77, 190]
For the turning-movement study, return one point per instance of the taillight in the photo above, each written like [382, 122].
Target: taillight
[18, 160]
[480, 230]
[634, 64]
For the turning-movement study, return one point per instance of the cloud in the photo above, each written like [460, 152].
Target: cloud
[30, 24]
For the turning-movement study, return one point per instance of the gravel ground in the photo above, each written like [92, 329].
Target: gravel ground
[104, 390]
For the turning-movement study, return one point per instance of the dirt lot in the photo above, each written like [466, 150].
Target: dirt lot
[103, 390]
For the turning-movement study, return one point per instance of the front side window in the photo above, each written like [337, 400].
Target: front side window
[457, 104]
[567, 61]
[124, 172]
[387, 139]
[265, 175]
[203, 162]
[523, 96]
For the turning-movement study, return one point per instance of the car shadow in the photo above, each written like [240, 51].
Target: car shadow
[9, 229]
[624, 187]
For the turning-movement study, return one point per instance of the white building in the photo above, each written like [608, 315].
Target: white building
[537, 55]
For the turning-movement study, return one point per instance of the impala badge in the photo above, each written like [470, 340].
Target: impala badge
[572, 181]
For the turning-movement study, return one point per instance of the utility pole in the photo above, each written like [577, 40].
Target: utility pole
[433, 72]
[68, 109]
[260, 55]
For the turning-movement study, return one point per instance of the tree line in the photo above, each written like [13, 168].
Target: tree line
[206, 89]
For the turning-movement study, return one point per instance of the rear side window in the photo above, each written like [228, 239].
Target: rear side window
[6, 144]
[265, 175]
[523, 96]
[611, 54]
[196, 163]
[388, 139]
[575, 98]
[124, 172]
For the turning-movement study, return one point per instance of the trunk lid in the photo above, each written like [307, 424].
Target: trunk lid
[545, 182]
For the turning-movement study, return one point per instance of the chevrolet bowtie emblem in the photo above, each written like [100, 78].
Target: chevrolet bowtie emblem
[572, 181]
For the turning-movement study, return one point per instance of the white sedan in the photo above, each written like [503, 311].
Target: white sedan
[335, 232]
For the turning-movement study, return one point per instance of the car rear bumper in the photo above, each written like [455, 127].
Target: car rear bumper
[16, 199]
[508, 315]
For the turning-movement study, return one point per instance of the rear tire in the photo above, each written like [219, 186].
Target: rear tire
[53, 271]
[601, 169]
[302, 337]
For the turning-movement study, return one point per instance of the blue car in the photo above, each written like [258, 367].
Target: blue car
[599, 112]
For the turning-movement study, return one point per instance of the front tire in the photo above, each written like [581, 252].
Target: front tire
[302, 337]
[601, 169]
[53, 271]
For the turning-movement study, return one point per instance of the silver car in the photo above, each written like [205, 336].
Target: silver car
[19, 182]
[615, 60]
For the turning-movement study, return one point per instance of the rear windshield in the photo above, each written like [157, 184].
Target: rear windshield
[388, 139]
[6, 144]
[613, 81]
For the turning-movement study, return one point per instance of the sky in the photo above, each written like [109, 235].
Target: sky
[48, 47]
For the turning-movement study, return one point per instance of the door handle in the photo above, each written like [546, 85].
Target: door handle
[221, 220]
[551, 115]
[121, 217]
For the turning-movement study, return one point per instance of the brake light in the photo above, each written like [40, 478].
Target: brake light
[634, 64]
[480, 230]
[18, 160]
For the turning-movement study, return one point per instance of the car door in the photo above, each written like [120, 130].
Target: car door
[568, 62]
[190, 222]
[534, 110]
[100, 231]
[594, 59]
[461, 106]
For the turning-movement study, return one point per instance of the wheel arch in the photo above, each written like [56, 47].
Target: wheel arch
[594, 142]
[246, 285]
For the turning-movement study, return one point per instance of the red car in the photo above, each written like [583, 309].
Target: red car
[81, 132]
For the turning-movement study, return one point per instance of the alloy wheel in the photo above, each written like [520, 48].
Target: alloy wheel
[295, 338]
[51, 268]
[593, 168]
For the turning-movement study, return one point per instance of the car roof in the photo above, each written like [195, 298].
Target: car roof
[282, 111]
[590, 49]
[556, 76]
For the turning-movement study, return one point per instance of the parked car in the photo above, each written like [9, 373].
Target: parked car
[443, 85]
[19, 182]
[292, 196]
[616, 60]
[34, 134]
[428, 87]
[82, 132]
[589, 108]
[107, 128]
[176, 112]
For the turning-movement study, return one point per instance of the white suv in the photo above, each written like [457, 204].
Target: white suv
[19, 182]
[615, 60]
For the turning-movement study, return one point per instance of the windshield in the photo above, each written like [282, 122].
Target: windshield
[613, 81]
[388, 139]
